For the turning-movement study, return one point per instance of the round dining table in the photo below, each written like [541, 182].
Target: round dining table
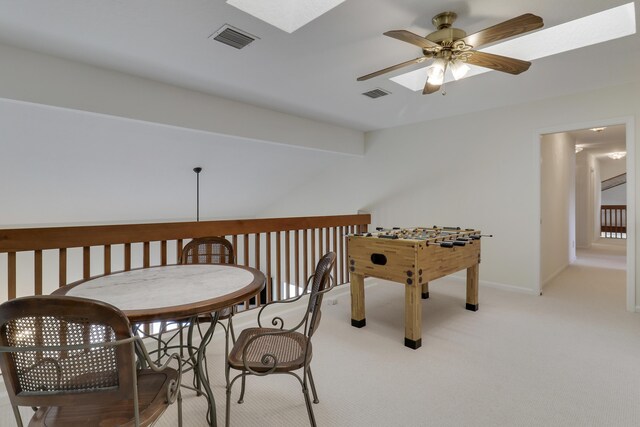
[174, 293]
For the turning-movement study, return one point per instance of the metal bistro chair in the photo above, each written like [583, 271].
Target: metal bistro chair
[73, 361]
[210, 250]
[262, 351]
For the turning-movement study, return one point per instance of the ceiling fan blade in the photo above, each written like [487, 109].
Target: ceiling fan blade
[429, 88]
[512, 27]
[497, 62]
[409, 37]
[392, 68]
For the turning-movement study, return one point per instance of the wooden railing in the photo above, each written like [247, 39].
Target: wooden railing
[613, 221]
[38, 260]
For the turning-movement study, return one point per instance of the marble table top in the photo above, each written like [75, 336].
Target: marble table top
[171, 289]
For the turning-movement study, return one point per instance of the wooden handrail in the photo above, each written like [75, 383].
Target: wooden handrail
[134, 243]
[30, 239]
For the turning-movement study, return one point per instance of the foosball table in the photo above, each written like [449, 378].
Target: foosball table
[414, 257]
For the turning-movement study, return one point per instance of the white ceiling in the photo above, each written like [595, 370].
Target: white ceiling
[611, 139]
[312, 72]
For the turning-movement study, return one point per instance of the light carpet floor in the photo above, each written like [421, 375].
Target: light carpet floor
[570, 357]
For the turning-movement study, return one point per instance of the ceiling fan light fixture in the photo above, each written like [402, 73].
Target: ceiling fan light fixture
[435, 72]
[458, 68]
[599, 27]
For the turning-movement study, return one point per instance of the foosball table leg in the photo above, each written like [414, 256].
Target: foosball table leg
[472, 287]
[425, 290]
[412, 316]
[358, 318]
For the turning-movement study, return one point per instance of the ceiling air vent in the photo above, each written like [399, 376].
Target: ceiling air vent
[376, 93]
[233, 36]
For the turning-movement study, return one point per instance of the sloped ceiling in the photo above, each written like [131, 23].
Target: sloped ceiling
[312, 72]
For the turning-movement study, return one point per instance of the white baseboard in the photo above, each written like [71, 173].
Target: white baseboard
[483, 283]
[501, 286]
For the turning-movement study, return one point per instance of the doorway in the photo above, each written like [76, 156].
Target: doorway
[586, 196]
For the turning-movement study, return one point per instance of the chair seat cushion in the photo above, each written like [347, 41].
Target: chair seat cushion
[287, 348]
[152, 399]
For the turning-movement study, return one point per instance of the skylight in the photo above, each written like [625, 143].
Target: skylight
[288, 15]
[597, 28]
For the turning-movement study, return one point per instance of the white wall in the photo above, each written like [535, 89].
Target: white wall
[61, 166]
[587, 199]
[557, 198]
[35, 77]
[595, 199]
[477, 170]
[615, 195]
[582, 200]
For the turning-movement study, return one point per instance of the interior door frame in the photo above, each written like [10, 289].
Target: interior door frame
[629, 123]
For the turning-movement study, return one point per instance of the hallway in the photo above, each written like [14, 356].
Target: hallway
[596, 280]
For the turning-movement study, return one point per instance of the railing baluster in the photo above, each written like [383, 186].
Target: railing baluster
[335, 249]
[62, 267]
[313, 251]
[257, 262]
[246, 250]
[346, 248]
[305, 250]
[268, 261]
[278, 276]
[178, 250]
[287, 264]
[234, 243]
[343, 255]
[320, 244]
[246, 263]
[146, 257]
[163, 252]
[127, 256]
[619, 220]
[86, 262]
[11, 275]
[146, 262]
[296, 248]
[37, 272]
[327, 237]
[107, 259]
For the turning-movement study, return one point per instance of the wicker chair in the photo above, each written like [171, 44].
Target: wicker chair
[208, 250]
[73, 361]
[262, 351]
